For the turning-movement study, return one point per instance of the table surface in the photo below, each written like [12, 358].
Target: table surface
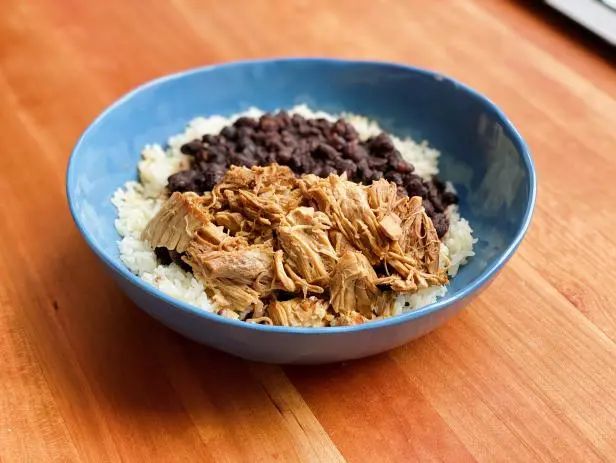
[526, 373]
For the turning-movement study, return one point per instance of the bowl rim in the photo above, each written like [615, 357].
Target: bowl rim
[484, 277]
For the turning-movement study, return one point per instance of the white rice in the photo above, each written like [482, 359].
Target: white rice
[138, 202]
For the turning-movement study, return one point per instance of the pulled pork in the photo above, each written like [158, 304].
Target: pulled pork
[300, 311]
[353, 285]
[273, 248]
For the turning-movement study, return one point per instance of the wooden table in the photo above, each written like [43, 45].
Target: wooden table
[527, 373]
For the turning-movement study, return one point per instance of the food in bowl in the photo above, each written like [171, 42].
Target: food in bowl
[296, 218]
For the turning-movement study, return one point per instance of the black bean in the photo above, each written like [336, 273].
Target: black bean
[270, 157]
[209, 139]
[403, 167]
[288, 138]
[355, 151]
[305, 130]
[394, 157]
[346, 130]
[162, 254]
[441, 224]
[167, 256]
[381, 144]
[284, 156]
[244, 131]
[296, 160]
[396, 178]
[229, 132]
[177, 258]
[377, 175]
[377, 163]
[247, 161]
[416, 187]
[284, 120]
[428, 207]
[440, 186]
[268, 123]
[217, 154]
[449, 198]
[186, 180]
[210, 179]
[324, 151]
[243, 142]
[246, 122]
[192, 147]
[201, 156]
[297, 120]
[437, 203]
[350, 168]
[326, 170]
[260, 138]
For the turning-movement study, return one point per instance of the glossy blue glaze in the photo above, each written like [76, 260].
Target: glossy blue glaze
[482, 153]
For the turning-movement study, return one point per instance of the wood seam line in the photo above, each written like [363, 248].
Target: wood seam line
[80, 375]
[82, 379]
[478, 392]
[541, 396]
[536, 389]
[24, 117]
[179, 401]
[36, 357]
[30, 126]
[68, 352]
[571, 303]
[288, 399]
[602, 334]
[396, 354]
[557, 218]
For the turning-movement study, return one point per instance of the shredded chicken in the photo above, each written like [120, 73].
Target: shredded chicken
[302, 236]
[349, 319]
[232, 221]
[174, 226]
[353, 285]
[383, 197]
[229, 314]
[260, 321]
[339, 242]
[309, 311]
[262, 195]
[415, 256]
[346, 203]
[234, 279]
[263, 233]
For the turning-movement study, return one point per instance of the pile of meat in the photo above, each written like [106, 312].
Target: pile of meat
[274, 248]
[308, 146]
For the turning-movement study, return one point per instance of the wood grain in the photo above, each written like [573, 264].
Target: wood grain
[527, 373]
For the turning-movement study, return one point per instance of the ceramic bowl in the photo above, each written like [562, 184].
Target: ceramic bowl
[482, 154]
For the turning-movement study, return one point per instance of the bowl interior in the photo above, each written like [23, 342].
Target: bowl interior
[481, 152]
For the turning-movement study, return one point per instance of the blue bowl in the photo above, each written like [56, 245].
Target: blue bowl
[482, 153]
